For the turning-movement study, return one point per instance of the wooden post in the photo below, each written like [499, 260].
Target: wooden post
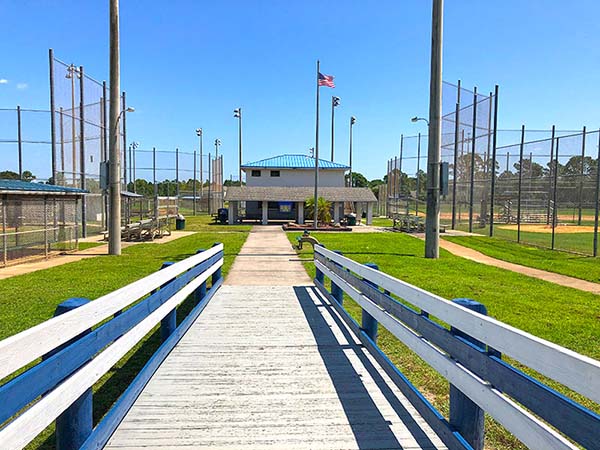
[337, 291]
[465, 416]
[369, 324]
[200, 293]
[169, 322]
[218, 274]
[75, 424]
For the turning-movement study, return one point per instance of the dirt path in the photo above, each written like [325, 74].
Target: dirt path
[552, 277]
[59, 260]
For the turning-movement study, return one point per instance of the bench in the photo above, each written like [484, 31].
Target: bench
[470, 356]
[71, 352]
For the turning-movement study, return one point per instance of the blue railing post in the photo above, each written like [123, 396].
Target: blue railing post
[369, 324]
[169, 323]
[319, 276]
[337, 291]
[465, 416]
[201, 291]
[216, 276]
[75, 424]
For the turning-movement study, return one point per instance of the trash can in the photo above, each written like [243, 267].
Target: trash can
[180, 222]
[351, 220]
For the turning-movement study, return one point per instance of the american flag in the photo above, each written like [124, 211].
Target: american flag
[326, 80]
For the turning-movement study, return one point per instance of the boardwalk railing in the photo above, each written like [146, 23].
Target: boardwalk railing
[73, 350]
[468, 356]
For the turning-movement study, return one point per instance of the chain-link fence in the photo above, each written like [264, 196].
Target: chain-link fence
[37, 225]
[540, 187]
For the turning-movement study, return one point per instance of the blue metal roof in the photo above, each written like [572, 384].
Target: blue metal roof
[293, 162]
[26, 186]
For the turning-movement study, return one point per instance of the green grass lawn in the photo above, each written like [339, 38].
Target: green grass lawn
[31, 298]
[382, 222]
[562, 315]
[578, 266]
[206, 223]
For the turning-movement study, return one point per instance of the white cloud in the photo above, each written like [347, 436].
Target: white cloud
[3, 81]
[21, 85]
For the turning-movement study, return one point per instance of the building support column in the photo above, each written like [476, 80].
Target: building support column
[336, 212]
[359, 210]
[300, 212]
[231, 213]
[265, 212]
[369, 213]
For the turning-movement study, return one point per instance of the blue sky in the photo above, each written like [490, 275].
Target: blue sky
[188, 64]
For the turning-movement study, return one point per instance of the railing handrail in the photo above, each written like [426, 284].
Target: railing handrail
[19, 350]
[578, 372]
[509, 395]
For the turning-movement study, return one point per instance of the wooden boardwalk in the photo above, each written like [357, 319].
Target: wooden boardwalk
[271, 367]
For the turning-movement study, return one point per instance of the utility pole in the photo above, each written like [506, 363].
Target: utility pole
[114, 218]
[352, 122]
[432, 220]
[316, 155]
[199, 134]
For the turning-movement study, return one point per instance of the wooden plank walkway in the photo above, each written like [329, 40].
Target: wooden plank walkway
[271, 367]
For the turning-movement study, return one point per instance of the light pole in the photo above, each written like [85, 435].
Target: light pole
[237, 113]
[72, 73]
[133, 147]
[114, 219]
[216, 173]
[416, 119]
[335, 101]
[432, 219]
[352, 122]
[199, 134]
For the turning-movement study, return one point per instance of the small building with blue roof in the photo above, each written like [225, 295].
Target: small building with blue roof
[276, 189]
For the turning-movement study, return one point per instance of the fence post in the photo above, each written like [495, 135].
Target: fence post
[337, 291]
[82, 150]
[456, 131]
[19, 142]
[218, 274]
[473, 148]
[581, 175]
[520, 184]
[554, 193]
[597, 205]
[369, 324]
[177, 173]
[52, 118]
[124, 124]
[75, 424]
[494, 149]
[200, 293]
[400, 169]
[319, 276]
[194, 186]
[169, 322]
[465, 416]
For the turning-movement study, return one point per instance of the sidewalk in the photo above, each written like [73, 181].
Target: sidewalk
[552, 277]
[267, 259]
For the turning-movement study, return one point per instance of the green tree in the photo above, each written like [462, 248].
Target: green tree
[358, 180]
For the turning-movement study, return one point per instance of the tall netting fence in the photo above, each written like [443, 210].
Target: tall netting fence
[539, 187]
[81, 107]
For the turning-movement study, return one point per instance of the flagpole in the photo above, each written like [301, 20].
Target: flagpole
[316, 203]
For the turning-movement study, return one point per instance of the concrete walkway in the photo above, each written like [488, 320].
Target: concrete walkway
[552, 277]
[65, 258]
[267, 259]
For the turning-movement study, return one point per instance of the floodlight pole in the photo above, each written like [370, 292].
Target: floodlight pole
[114, 218]
[432, 220]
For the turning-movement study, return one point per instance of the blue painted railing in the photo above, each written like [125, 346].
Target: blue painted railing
[153, 300]
[468, 356]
